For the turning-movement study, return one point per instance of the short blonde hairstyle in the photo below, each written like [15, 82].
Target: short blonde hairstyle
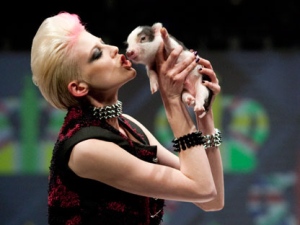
[53, 65]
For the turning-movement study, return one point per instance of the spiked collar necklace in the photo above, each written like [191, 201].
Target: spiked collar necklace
[108, 112]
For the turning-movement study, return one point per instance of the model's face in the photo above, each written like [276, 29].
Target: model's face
[101, 65]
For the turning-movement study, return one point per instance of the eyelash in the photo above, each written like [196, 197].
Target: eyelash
[97, 54]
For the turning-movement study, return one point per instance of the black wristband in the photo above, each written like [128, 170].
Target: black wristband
[187, 141]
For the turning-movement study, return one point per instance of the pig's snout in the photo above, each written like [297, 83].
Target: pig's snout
[129, 53]
[133, 54]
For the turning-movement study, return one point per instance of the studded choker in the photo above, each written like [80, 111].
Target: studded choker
[108, 112]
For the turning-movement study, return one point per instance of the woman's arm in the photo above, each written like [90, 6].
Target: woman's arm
[170, 94]
[168, 158]
[215, 162]
[206, 125]
[110, 164]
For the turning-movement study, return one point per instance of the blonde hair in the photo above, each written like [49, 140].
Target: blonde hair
[52, 63]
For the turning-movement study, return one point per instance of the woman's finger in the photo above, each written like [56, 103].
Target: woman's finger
[186, 66]
[173, 57]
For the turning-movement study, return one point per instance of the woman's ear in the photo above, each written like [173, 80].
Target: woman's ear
[77, 88]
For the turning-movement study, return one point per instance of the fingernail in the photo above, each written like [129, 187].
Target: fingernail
[197, 60]
[200, 66]
[195, 52]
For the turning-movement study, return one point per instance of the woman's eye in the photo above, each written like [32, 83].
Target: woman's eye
[96, 54]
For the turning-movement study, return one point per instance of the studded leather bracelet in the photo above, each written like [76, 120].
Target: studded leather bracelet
[196, 138]
[187, 141]
[213, 140]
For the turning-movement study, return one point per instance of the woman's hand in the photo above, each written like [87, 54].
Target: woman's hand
[171, 75]
[206, 69]
[206, 123]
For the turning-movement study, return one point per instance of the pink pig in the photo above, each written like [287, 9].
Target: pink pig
[143, 43]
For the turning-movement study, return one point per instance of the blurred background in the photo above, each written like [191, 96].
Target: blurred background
[254, 47]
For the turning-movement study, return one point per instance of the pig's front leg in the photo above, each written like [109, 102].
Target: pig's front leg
[153, 80]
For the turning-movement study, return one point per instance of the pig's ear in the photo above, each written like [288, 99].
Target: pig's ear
[156, 27]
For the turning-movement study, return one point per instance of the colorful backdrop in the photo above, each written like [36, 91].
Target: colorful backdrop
[257, 111]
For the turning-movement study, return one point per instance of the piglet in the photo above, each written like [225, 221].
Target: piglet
[142, 45]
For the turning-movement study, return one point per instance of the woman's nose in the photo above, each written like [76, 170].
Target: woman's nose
[114, 50]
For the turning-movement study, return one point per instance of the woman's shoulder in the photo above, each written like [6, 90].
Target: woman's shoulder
[151, 139]
[132, 119]
[129, 117]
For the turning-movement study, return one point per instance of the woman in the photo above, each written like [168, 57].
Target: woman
[107, 168]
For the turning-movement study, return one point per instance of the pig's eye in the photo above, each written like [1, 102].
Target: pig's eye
[143, 39]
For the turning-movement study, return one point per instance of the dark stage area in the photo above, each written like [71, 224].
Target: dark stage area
[212, 25]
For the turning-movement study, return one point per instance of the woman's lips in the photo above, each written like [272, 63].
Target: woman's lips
[125, 63]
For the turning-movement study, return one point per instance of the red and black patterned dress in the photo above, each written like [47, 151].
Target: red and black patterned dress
[73, 200]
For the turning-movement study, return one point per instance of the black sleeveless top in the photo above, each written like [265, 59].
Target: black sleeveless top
[73, 200]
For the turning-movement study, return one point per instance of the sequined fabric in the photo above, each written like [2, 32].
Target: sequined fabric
[73, 200]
